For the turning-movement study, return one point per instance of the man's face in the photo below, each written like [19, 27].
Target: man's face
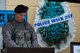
[20, 17]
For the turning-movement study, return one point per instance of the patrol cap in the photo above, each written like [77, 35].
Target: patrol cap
[20, 9]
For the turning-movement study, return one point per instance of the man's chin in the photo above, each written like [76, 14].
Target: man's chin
[21, 21]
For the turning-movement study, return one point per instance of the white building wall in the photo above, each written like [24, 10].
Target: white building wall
[2, 7]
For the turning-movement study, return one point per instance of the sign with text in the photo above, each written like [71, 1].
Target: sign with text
[47, 22]
[5, 16]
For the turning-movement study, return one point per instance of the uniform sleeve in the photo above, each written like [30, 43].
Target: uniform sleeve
[34, 36]
[6, 32]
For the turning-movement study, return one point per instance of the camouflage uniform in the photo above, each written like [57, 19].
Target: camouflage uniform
[17, 34]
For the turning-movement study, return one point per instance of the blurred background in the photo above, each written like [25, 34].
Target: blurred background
[33, 4]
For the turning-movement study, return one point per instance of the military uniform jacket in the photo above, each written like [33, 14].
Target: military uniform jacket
[16, 34]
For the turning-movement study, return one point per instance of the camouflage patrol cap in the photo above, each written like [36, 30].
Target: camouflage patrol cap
[20, 9]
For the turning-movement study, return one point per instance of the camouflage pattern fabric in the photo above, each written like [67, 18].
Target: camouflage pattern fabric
[17, 34]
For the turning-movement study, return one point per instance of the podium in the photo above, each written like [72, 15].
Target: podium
[30, 50]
